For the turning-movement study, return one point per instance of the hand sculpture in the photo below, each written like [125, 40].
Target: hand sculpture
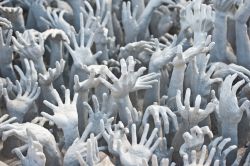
[160, 111]
[202, 81]
[55, 21]
[139, 50]
[112, 137]
[230, 113]
[94, 121]
[15, 16]
[81, 54]
[161, 57]
[27, 47]
[192, 115]
[35, 155]
[195, 140]
[23, 102]
[65, 116]
[129, 81]
[30, 73]
[51, 75]
[79, 147]
[136, 153]
[87, 84]
[199, 17]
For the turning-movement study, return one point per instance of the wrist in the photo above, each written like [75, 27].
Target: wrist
[70, 134]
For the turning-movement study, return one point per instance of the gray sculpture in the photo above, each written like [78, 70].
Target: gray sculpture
[118, 82]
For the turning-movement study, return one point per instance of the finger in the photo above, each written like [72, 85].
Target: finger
[35, 91]
[210, 156]
[144, 134]
[215, 142]
[222, 144]
[193, 157]
[203, 155]
[48, 116]
[28, 88]
[95, 103]
[173, 118]
[131, 64]
[155, 145]
[51, 106]
[74, 101]
[124, 69]
[88, 108]
[19, 88]
[134, 137]
[5, 94]
[104, 102]
[151, 138]
[237, 86]
[67, 96]
[197, 103]
[20, 72]
[90, 41]
[228, 150]
[185, 160]
[86, 131]
[8, 39]
[19, 154]
[106, 83]
[56, 96]
[178, 101]
[187, 99]
[166, 122]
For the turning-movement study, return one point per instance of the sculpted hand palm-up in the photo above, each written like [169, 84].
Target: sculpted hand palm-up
[192, 115]
[65, 115]
[26, 45]
[137, 152]
[19, 106]
[130, 80]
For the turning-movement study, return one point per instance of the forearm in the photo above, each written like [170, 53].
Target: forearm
[56, 52]
[230, 130]
[122, 104]
[220, 37]
[145, 18]
[82, 114]
[178, 139]
[70, 134]
[176, 82]
[8, 71]
[40, 66]
[76, 8]
[153, 94]
[46, 92]
[242, 44]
